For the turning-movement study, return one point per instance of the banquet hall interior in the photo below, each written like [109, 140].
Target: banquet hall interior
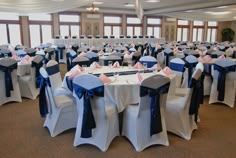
[127, 78]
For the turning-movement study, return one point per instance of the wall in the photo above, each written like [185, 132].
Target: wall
[169, 29]
[227, 24]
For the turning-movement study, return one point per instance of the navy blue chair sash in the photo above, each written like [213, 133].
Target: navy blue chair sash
[43, 106]
[37, 74]
[8, 78]
[177, 67]
[154, 94]
[221, 79]
[53, 69]
[69, 83]
[168, 56]
[61, 51]
[69, 59]
[197, 96]
[88, 122]
[50, 52]
[190, 67]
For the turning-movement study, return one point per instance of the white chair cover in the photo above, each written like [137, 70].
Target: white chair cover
[53, 71]
[177, 66]
[178, 119]
[29, 83]
[61, 114]
[105, 116]
[137, 118]
[12, 94]
[217, 95]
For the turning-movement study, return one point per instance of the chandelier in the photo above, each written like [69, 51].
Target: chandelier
[92, 9]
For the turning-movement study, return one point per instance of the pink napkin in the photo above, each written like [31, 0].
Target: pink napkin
[74, 73]
[140, 78]
[105, 79]
[221, 57]
[129, 56]
[76, 68]
[82, 54]
[207, 58]
[202, 53]
[167, 71]
[92, 48]
[100, 52]
[14, 56]
[24, 61]
[95, 65]
[116, 65]
[27, 57]
[138, 65]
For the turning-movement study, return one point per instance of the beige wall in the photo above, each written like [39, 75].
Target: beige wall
[227, 24]
[25, 31]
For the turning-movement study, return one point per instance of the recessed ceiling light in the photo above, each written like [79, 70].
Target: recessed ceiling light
[189, 11]
[58, 0]
[98, 2]
[128, 5]
[152, 1]
[217, 13]
[235, 17]
[222, 7]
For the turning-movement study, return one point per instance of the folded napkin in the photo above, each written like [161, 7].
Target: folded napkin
[221, 57]
[74, 73]
[27, 57]
[95, 65]
[100, 52]
[82, 54]
[105, 79]
[140, 78]
[128, 56]
[167, 71]
[116, 65]
[202, 53]
[138, 65]
[24, 61]
[15, 57]
[76, 68]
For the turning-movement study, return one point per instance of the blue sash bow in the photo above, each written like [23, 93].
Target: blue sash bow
[53, 69]
[69, 83]
[43, 106]
[177, 67]
[88, 122]
[61, 51]
[190, 67]
[69, 59]
[167, 57]
[155, 124]
[37, 74]
[197, 96]
[8, 78]
[221, 79]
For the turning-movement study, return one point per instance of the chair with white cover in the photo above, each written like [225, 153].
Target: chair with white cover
[144, 123]
[223, 86]
[53, 71]
[29, 83]
[161, 59]
[182, 111]
[169, 54]
[177, 65]
[61, 54]
[69, 57]
[60, 111]
[150, 60]
[97, 123]
[191, 62]
[9, 90]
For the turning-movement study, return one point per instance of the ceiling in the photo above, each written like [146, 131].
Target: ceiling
[207, 10]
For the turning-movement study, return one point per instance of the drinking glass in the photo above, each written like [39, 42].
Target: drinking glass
[116, 75]
[110, 64]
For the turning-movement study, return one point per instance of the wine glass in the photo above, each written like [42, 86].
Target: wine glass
[116, 75]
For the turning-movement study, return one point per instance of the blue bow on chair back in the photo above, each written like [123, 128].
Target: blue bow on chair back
[60, 50]
[88, 122]
[43, 106]
[7, 67]
[223, 70]
[51, 70]
[168, 56]
[177, 67]
[154, 94]
[190, 67]
[197, 96]
[69, 58]
[37, 66]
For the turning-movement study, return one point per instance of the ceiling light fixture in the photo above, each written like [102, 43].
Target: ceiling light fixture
[189, 11]
[153, 1]
[235, 17]
[98, 2]
[128, 5]
[222, 7]
[217, 13]
[92, 9]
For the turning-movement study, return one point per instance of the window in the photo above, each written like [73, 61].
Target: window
[10, 29]
[198, 31]
[154, 27]
[69, 24]
[112, 25]
[183, 30]
[40, 27]
[212, 28]
[134, 26]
